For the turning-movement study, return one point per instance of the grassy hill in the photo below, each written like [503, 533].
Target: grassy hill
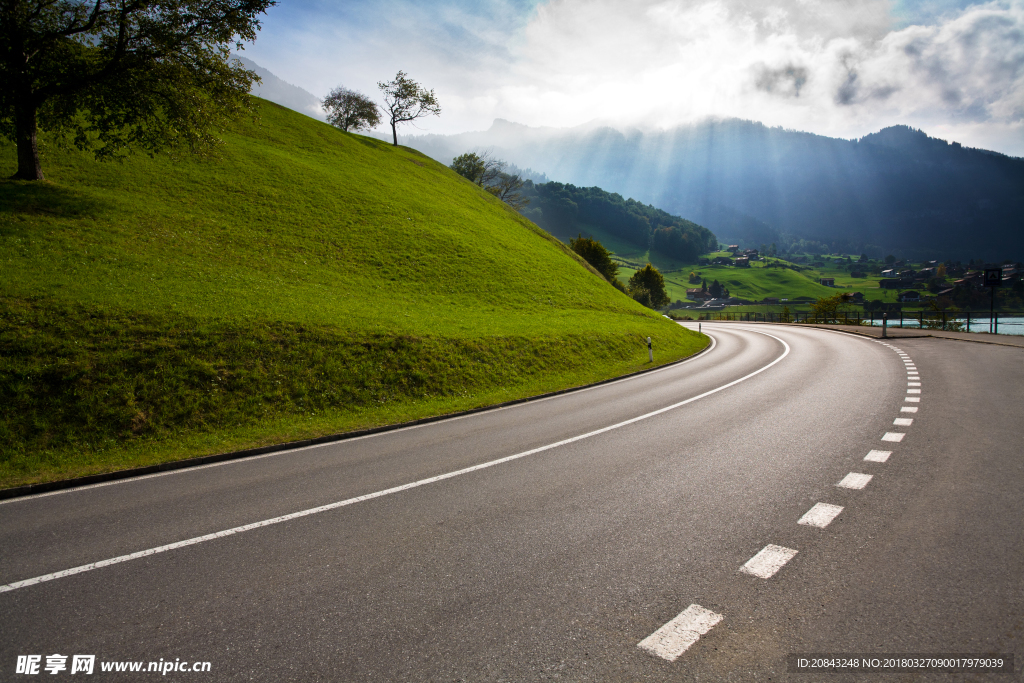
[307, 281]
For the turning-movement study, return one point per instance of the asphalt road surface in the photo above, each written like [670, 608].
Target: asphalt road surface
[648, 529]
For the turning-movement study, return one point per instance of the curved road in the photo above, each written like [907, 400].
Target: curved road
[569, 537]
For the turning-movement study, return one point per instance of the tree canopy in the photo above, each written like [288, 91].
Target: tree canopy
[348, 109]
[406, 100]
[113, 76]
[647, 286]
[469, 166]
[594, 253]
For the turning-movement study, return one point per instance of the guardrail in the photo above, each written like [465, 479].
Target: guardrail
[1001, 322]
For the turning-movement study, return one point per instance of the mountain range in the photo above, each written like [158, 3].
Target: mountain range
[895, 191]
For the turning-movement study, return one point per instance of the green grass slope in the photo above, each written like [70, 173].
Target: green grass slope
[307, 281]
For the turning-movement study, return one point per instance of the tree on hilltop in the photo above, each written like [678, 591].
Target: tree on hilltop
[406, 100]
[115, 76]
[348, 109]
[469, 166]
[494, 176]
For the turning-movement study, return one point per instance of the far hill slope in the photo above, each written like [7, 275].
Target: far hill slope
[894, 191]
[308, 281]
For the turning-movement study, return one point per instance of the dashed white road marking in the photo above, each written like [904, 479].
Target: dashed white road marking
[912, 399]
[676, 637]
[770, 560]
[854, 480]
[913, 384]
[820, 515]
[893, 436]
[877, 456]
[913, 391]
[903, 421]
[908, 409]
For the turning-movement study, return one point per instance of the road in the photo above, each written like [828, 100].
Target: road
[548, 540]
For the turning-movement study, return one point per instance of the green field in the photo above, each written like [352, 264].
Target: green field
[306, 281]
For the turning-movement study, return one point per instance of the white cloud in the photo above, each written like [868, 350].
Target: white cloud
[835, 67]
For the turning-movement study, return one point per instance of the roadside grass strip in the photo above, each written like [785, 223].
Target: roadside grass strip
[877, 456]
[385, 492]
[895, 437]
[855, 480]
[821, 515]
[771, 559]
[676, 637]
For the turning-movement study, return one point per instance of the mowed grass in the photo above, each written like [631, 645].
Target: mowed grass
[305, 282]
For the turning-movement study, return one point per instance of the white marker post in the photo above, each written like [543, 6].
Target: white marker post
[650, 350]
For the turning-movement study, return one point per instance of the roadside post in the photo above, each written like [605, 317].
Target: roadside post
[885, 321]
[650, 349]
[993, 279]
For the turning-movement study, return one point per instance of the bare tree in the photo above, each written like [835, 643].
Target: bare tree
[348, 109]
[508, 188]
[405, 100]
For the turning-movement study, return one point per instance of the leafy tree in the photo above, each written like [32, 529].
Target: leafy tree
[469, 166]
[114, 76]
[715, 290]
[594, 253]
[890, 259]
[827, 308]
[348, 109]
[405, 100]
[649, 285]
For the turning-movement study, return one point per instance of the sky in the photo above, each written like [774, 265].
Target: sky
[842, 68]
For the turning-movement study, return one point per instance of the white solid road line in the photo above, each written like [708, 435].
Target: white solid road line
[820, 515]
[378, 494]
[675, 637]
[903, 421]
[854, 480]
[770, 560]
[877, 456]
[893, 436]
[908, 409]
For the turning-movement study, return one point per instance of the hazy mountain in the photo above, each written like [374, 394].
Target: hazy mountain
[896, 190]
[283, 93]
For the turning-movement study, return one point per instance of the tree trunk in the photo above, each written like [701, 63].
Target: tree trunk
[394, 133]
[29, 167]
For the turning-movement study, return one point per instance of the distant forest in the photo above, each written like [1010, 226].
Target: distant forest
[559, 208]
